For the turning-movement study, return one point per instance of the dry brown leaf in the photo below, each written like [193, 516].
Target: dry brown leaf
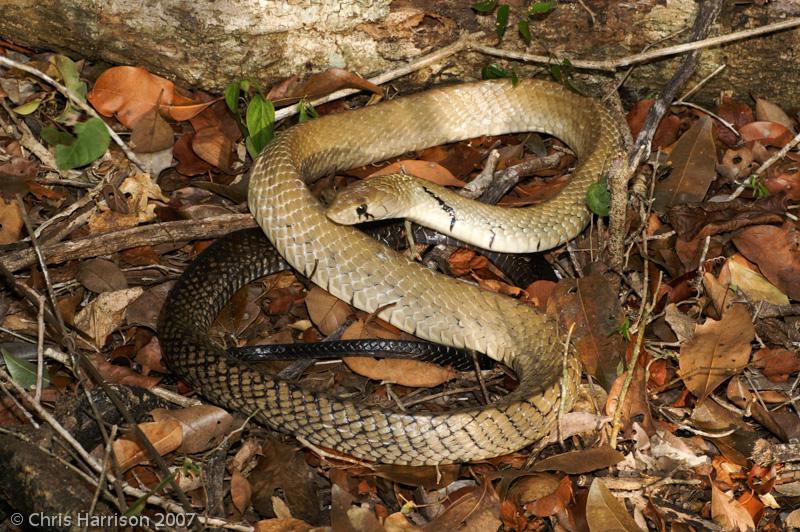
[105, 313]
[776, 364]
[582, 461]
[189, 164]
[241, 491]
[718, 350]
[212, 146]
[745, 276]
[740, 394]
[476, 510]
[542, 494]
[605, 512]
[204, 426]
[766, 133]
[693, 162]
[151, 133]
[149, 357]
[593, 306]
[326, 82]
[736, 113]
[166, 436]
[326, 311]
[681, 324]
[138, 190]
[144, 310]
[129, 93]
[776, 250]
[636, 399]
[667, 130]
[769, 112]
[397, 522]
[282, 525]
[121, 374]
[10, 221]
[101, 275]
[428, 477]
[427, 170]
[728, 513]
[406, 372]
[186, 109]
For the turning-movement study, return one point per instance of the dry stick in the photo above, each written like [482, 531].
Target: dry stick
[108, 243]
[37, 396]
[418, 64]
[612, 65]
[78, 101]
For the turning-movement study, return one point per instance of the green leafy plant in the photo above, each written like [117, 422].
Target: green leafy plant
[89, 142]
[485, 7]
[305, 111]
[22, 371]
[492, 71]
[259, 118]
[756, 183]
[624, 329]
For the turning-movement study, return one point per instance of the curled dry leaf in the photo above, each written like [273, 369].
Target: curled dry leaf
[204, 426]
[138, 190]
[129, 93]
[324, 83]
[241, 491]
[166, 436]
[105, 313]
[776, 250]
[542, 494]
[767, 133]
[121, 374]
[477, 509]
[718, 350]
[605, 512]
[427, 170]
[767, 111]
[776, 364]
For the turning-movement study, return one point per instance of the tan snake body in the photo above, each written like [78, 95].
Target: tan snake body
[374, 278]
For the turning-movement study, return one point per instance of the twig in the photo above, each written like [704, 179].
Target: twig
[591, 13]
[413, 66]
[37, 396]
[152, 234]
[478, 186]
[78, 101]
[612, 65]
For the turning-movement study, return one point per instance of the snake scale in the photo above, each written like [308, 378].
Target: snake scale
[374, 278]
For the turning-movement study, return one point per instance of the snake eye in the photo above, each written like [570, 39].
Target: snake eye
[361, 211]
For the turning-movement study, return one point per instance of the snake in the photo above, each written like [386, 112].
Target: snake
[382, 281]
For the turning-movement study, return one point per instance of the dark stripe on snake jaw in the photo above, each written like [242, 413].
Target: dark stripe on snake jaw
[445, 207]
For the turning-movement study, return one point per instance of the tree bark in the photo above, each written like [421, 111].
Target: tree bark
[208, 43]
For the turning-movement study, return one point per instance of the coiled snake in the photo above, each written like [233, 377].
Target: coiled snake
[373, 278]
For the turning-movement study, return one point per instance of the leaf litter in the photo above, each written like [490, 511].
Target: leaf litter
[714, 384]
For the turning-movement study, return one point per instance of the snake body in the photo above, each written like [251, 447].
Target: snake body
[374, 278]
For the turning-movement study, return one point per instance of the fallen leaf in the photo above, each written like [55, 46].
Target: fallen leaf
[636, 401]
[739, 272]
[692, 221]
[326, 311]
[693, 161]
[326, 82]
[542, 494]
[241, 491]
[667, 130]
[129, 93]
[282, 525]
[605, 512]
[138, 190]
[718, 350]
[429, 171]
[593, 307]
[728, 513]
[767, 133]
[736, 113]
[740, 395]
[582, 461]
[105, 313]
[776, 250]
[101, 275]
[189, 164]
[10, 221]
[204, 426]
[767, 111]
[477, 509]
[776, 364]
[121, 374]
[151, 133]
[166, 436]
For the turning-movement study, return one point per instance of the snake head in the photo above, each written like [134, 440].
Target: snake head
[376, 198]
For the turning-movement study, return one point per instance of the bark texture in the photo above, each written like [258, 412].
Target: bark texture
[208, 43]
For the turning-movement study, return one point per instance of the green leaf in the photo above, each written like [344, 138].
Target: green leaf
[501, 21]
[540, 8]
[69, 73]
[23, 372]
[232, 97]
[260, 119]
[598, 198]
[524, 30]
[54, 136]
[305, 111]
[27, 108]
[487, 6]
[492, 71]
[91, 142]
[624, 329]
